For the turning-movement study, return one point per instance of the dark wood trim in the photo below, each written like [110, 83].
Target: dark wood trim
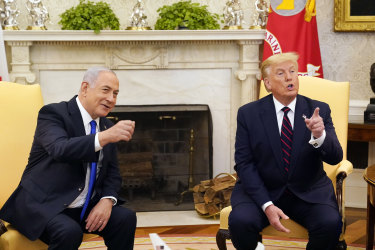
[221, 237]
[3, 228]
[361, 132]
[339, 190]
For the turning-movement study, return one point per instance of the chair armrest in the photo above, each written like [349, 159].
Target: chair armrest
[3, 229]
[224, 215]
[344, 166]
[344, 169]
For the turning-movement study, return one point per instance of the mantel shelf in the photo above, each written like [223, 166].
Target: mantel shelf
[133, 35]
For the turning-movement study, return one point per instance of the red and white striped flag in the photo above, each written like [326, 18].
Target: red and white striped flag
[291, 26]
[4, 76]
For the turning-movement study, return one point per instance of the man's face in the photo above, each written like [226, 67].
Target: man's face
[283, 82]
[101, 98]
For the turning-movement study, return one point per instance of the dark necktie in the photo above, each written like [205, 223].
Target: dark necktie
[92, 175]
[286, 138]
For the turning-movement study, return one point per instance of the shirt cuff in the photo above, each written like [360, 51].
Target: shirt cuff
[114, 200]
[265, 205]
[97, 144]
[319, 141]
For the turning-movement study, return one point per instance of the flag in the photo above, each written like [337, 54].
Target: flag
[292, 26]
[3, 60]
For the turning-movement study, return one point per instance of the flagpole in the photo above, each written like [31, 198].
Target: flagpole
[4, 75]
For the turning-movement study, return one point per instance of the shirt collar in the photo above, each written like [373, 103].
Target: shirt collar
[279, 106]
[86, 117]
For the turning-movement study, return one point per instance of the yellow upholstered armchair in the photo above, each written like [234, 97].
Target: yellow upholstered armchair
[19, 107]
[336, 94]
[19, 110]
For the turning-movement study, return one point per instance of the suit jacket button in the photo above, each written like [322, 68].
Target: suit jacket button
[65, 205]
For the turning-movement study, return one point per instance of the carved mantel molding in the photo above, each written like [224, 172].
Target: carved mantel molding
[132, 49]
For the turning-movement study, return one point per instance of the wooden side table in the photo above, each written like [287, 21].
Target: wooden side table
[369, 176]
[361, 132]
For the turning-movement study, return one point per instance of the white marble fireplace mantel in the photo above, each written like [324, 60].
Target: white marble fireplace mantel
[214, 67]
[132, 35]
[21, 42]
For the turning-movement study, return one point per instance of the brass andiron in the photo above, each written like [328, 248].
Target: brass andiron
[191, 181]
[113, 118]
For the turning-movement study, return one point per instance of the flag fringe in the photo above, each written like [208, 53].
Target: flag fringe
[310, 10]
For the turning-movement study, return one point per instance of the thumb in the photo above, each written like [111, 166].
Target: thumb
[316, 112]
[283, 216]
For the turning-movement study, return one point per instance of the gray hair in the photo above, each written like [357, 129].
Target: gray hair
[92, 74]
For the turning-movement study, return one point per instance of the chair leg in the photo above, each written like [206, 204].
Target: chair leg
[221, 236]
[341, 245]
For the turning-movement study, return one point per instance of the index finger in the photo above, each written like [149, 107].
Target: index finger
[279, 226]
[316, 112]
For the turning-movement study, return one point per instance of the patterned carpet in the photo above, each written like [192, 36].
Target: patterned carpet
[202, 242]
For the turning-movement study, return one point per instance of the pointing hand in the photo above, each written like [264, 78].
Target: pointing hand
[315, 124]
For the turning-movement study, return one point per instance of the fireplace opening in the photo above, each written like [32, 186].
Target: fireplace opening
[170, 152]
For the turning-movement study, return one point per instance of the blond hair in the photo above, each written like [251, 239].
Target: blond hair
[276, 59]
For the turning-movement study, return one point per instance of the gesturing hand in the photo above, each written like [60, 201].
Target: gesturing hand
[121, 131]
[274, 214]
[315, 124]
[99, 215]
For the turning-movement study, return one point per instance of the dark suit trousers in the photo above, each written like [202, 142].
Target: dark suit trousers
[323, 222]
[65, 231]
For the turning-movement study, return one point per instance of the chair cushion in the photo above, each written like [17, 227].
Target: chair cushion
[13, 240]
[296, 230]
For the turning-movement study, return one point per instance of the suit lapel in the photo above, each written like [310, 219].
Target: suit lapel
[103, 127]
[300, 131]
[76, 117]
[269, 120]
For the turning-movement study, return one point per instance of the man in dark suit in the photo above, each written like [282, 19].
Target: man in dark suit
[278, 154]
[50, 202]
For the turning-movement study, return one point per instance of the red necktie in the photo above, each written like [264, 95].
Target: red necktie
[286, 138]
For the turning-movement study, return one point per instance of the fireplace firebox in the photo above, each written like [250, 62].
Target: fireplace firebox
[170, 152]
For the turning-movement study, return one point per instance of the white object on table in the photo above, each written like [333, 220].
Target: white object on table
[157, 242]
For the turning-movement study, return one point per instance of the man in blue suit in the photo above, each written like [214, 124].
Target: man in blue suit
[50, 202]
[281, 143]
